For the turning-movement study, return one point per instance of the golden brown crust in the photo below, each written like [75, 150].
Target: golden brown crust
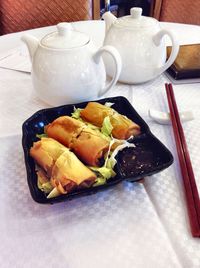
[90, 147]
[65, 170]
[45, 152]
[95, 113]
[64, 129]
[68, 168]
[123, 128]
[87, 144]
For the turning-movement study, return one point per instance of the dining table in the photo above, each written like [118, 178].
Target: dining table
[143, 224]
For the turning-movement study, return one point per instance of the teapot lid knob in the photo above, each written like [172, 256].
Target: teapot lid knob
[136, 12]
[64, 28]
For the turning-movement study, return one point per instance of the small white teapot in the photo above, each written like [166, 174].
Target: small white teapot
[66, 67]
[139, 40]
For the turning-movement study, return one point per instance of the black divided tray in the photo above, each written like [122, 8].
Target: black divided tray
[148, 157]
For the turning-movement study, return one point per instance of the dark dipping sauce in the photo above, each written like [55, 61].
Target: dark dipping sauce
[144, 158]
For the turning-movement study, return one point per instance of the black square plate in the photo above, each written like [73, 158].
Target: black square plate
[148, 157]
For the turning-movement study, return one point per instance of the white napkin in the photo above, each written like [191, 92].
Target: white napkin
[16, 59]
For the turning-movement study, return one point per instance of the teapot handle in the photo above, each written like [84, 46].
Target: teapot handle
[175, 48]
[118, 65]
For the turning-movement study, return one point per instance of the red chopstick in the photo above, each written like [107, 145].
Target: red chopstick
[191, 191]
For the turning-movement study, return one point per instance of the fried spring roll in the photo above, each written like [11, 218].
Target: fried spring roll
[64, 129]
[46, 152]
[123, 127]
[86, 143]
[90, 147]
[69, 172]
[64, 170]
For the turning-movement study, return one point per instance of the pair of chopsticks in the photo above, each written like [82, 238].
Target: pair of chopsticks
[191, 191]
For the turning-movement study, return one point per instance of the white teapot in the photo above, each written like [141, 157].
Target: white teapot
[66, 67]
[139, 40]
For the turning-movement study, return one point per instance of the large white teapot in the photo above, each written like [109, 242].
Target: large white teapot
[139, 40]
[67, 68]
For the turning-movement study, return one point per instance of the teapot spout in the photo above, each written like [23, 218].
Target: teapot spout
[109, 19]
[32, 44]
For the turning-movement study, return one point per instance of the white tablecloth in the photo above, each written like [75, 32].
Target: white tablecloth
[131, 225]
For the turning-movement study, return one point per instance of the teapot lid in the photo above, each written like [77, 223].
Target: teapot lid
[136, 20]
[65, 38]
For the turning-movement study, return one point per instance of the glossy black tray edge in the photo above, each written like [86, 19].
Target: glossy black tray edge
[183, 74]
[122, 105]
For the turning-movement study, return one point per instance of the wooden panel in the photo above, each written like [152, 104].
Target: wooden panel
[96, 9]
[156, 8]
[179, 11]
[19, 15]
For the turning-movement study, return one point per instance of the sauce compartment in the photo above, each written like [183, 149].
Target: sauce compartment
[148, 157]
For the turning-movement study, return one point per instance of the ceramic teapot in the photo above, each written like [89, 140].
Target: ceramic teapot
[140, 42]
[67, 68]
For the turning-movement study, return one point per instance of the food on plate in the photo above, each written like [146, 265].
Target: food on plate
[88, 144]
[122, 127]
[70, 172]
[79, 150]
[90, 147]
[64, 129]
[59, 168]
[45, 152]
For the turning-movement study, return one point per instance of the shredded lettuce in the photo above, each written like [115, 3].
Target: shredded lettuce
[107, 171]
[111, 163]
[45, 187]
[112, 160]
[77, 113]
[106, 126]
[104, 172]
[43, 135]
[99, 181]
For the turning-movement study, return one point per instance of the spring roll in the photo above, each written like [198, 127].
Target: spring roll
[64, 129]
[90, 147]
[46, 152]
[61, 166]
[123, 128]
[69, 172]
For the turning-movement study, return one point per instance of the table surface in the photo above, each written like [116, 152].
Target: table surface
[132, 224]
